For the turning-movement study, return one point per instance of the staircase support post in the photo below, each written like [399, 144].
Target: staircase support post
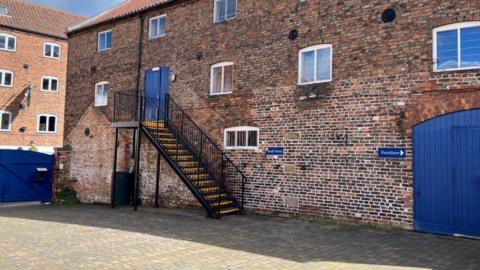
[157, 184]
[137, 167]
[114, 171]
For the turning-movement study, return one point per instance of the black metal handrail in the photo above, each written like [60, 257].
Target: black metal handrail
[219, 166]
[208, 154]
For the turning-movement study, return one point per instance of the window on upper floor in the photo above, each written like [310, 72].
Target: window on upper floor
[51, 50]
[224, 10]
[456, 46]
[5, 121]
[3, 11]
[49, 84]
[6, 78]
[101, 94]
[315, 64]
[241, 138]
[221, 81]
[104, 40]
[8, 42]
[157, 27]
[47, 123]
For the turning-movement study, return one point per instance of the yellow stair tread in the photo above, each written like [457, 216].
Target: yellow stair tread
[228, 211]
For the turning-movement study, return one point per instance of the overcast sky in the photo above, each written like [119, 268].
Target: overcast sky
[82, 7]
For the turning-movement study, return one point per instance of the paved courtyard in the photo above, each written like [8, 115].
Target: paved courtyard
[96, 237]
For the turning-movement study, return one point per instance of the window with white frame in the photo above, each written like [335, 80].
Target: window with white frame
[221, 81]
[51, 50]
[105, 40]
[157, 27]
[6, 78]
[47, 123]
[315, 64]
[5, 121]
[49, 84]
[224, 10]
[101, 94]
[457, 46]
[8, 42]
[241, 138]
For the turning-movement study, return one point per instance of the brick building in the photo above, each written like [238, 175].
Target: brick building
[327, 84]
[33, 70]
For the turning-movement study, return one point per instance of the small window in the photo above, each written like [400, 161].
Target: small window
[51, 50]
[221, 78]
[315, 64]
[5, 121]
[101, 94]
[241, 138]
[456, 46]
[225, 10]
[50, 84]
[8, 42]
[6, 78]
[104, 40]
[3, 11]
[157, 27]
[47, 123]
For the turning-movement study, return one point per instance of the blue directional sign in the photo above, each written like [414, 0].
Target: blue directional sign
[274, 151]
[392, 152]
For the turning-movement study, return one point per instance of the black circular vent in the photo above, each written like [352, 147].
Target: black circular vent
[293, 34]
[389, 15]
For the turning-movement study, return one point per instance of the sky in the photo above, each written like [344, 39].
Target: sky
[83, 7]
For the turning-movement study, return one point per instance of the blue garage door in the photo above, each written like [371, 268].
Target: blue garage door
[25, 176]
[447, 174]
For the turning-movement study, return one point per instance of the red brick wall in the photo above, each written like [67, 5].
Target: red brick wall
[382, 85]
[30, 51]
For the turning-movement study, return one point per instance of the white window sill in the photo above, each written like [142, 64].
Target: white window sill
[157, 37]
[6, 86]
[100, 105]
[104, 50]
[455, 69]
[46, 132]
[256, 149]
[225, 20]
[7, 50]
[316, 82]
[52, 58]
[5, 130]
[220, 94]
[49, 91]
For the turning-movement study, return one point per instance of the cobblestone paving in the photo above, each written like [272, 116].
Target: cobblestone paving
[96, 237]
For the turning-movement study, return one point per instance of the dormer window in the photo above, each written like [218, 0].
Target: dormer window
[3, 11]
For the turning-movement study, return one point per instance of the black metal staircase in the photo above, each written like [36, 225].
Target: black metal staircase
[208, 173]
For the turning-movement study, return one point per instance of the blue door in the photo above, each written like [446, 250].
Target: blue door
[447, 174]
[156, 88]
[25, 176]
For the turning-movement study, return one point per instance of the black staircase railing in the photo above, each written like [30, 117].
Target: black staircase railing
[219, 166]
[229, 178]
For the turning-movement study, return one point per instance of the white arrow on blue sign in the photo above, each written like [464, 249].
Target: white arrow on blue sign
[392, 152]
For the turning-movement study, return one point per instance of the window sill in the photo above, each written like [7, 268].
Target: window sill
[455, 69]
[49, 91]
[253, 149]
[100, 105]
[46, 133]
[5, 130]
[52, 58]
[157, 37]
[224, 21]
[6, 86]
[5, 50]
[104, 50]
[219, 95]
[312, 83]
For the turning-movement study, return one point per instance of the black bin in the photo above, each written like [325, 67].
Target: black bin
[123, 188]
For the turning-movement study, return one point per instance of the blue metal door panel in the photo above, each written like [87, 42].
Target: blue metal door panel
[19, 180]
[156, 89]
[439, 173]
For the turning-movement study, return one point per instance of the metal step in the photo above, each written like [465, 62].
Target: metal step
[229, 211]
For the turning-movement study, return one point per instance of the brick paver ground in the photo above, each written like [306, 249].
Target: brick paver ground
[95, 237]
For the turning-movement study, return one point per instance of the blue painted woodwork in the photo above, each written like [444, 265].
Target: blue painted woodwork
[19, 179]
[156, 88]
[446, 160]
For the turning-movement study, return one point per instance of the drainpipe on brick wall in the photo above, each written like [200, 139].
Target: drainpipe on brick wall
[139, 60]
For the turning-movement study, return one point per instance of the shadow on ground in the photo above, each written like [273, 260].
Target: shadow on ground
[292, 240]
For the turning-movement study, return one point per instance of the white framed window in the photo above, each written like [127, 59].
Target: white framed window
[101, 94]
[8, 42]
[315, 64]
[104, 40]
[49, 84]
[51, 50]
[241, 138]
[157, 27]
[224, 10]
[456, 46]
[221, 78]
[47, 123]
[6, 78]
[5, 121]
[3, 11]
